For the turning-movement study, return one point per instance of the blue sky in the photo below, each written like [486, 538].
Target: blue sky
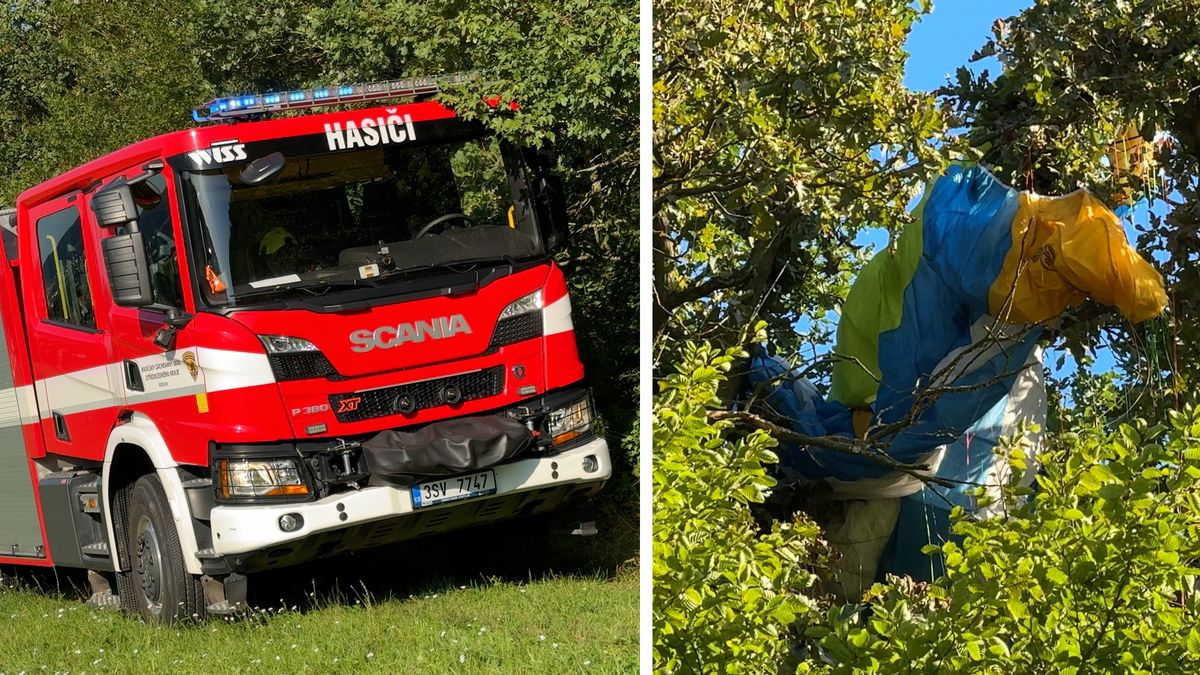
[946, 38]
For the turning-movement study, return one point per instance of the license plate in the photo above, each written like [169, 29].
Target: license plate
[453, 489]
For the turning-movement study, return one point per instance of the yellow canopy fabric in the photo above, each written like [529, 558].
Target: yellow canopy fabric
[1064, 249]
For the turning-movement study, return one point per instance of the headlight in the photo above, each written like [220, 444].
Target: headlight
[282, 344]
[241, 478]
[294, 358]
[520, 321]
[524, 305]
[570, 422]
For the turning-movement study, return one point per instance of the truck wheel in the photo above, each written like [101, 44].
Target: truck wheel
[163, 591]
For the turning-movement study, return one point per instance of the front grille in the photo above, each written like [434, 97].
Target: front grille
[517, 329]
[300, 366]
[364, 405]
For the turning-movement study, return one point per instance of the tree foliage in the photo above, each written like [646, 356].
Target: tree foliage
[781, 129]
[725, 593]
[78, 80]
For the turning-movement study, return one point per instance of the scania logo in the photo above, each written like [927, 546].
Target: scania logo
[387, 337]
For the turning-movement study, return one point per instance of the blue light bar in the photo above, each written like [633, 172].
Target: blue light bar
[252, 105]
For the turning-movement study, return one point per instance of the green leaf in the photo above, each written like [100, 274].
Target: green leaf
[1072, 514]
[1017, 609]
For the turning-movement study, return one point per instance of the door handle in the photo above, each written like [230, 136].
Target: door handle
[60, 426]
[133, 377]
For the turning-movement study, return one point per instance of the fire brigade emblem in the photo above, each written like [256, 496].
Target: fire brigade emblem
[189, 360]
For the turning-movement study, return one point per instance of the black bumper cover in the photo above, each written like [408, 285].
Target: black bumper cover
[448, 448]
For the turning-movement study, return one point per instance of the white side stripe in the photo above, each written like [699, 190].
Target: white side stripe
[86, 389]
[27, 402]
[10, 414]
[165, 375]
[224, 369]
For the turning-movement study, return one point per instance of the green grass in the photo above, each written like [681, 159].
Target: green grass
[422, 608]
[566, 625]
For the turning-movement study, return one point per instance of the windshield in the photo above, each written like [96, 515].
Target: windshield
[281, 224]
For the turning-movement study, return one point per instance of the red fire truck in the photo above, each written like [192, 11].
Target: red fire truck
[264, 340]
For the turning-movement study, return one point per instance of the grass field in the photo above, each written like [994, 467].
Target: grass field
[465, 603]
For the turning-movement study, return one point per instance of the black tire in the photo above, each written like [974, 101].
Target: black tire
[125, 582]
[163, 591]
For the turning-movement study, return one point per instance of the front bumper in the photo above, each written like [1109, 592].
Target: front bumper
[249, 536]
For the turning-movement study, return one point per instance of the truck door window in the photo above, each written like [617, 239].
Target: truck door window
[64, 270]
[154, 222]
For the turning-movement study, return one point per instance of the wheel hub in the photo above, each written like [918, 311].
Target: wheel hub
[149, 564]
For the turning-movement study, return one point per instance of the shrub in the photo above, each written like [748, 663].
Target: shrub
[1094, 573]
[725, 592]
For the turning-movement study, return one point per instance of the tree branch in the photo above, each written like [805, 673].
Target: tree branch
[849, 446]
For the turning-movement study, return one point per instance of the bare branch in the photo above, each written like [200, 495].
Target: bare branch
[850, 446]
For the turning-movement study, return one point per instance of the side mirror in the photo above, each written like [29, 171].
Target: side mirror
[114, 206]
[124, 254]
[128, 272]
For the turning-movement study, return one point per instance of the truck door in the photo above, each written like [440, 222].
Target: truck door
[68, 345]
[20, 523]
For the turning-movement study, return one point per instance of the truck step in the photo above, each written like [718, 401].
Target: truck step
[104, 600]
[207, 554]
[226, 595]
[102, 595]
[223, 608]
[97, 550]
[196, 483]
[577, 529]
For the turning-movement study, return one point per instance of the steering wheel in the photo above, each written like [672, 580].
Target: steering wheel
[442, 219]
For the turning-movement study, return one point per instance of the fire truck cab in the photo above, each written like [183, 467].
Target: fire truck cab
[241, 346]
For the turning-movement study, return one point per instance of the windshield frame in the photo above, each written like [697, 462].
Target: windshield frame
[448, 278]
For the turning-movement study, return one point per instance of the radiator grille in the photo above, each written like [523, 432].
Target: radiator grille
[365, 405]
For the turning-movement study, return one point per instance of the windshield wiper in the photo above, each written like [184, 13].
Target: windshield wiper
[310, 286]
[454, 265]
